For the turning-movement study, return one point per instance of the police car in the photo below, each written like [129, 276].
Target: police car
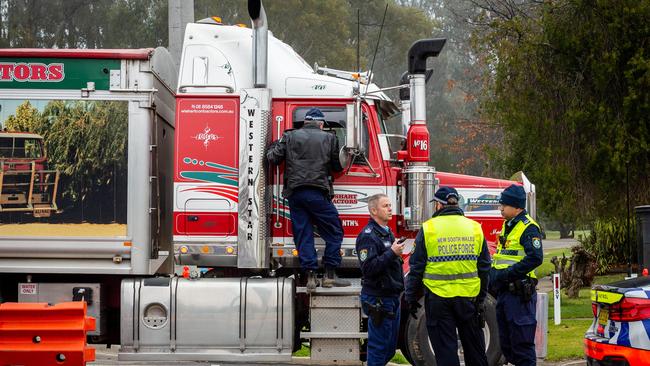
[620, 332]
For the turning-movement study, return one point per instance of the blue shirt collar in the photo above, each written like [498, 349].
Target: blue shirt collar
[516, 219]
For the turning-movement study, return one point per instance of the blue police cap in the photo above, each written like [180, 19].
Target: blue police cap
[443, 194]
[314, 114]
[514, 196]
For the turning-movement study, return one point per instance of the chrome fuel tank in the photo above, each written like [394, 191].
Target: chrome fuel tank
[419, 186]
[209, 319]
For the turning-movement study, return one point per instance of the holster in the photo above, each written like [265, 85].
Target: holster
[480, 314]
[377, 313]
[523, 288]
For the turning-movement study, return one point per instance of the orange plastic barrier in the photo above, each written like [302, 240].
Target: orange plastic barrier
[36, 334]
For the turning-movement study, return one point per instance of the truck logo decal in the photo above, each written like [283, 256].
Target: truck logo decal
[347, 199]
[227, 192]
[351, 223]
[31, 72]
[421, 144]
[206, 137]
[283, 207]
[227, 175]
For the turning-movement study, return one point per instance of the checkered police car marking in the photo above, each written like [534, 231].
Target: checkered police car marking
[635, 334]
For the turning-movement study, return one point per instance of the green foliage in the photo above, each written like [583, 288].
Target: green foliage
[608, 242]
[570, 85]
[84, 23]
[547, 268]
[85, 140]
[25, 119]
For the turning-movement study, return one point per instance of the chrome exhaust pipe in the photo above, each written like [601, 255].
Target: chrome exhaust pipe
[260, 42]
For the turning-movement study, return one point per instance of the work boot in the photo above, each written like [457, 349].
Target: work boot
[331, 279]
[311, 281]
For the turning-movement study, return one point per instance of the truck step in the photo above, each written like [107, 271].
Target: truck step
[335, 324]
[354, 289]
[342, 335]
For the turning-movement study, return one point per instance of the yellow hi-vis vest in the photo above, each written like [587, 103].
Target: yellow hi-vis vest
[453, 244]
[509, 250]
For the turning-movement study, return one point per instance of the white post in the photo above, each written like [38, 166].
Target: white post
[179, 13]
[557, 307]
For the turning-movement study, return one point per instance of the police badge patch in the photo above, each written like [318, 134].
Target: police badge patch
[363, 254]
[537, 243]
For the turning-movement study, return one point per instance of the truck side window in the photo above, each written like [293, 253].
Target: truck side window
[6, 146]
[335, 122]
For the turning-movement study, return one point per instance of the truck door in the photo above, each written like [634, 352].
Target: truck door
[206, 181]
[352, 187]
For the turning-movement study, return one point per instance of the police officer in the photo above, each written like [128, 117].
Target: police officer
[382, 280]
[310, 155]
[512, 278]
[451, 259]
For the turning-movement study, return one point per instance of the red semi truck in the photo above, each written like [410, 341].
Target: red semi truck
[204, 266]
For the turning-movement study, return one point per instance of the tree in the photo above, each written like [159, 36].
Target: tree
[87, 142]
[83, 23]
[25, 119]
[569, 82]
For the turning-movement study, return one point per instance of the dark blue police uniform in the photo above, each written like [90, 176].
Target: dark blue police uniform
[516, 318]
[446, 316]
[382, 284]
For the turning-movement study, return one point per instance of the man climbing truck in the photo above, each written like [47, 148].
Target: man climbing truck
[205, 266]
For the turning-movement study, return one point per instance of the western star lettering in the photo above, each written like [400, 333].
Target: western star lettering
[250, 173]
[31, 72]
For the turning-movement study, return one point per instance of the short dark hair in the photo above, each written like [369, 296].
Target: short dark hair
[452, 201]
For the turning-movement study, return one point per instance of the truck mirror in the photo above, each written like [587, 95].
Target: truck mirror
[353, 126]
[344, 157]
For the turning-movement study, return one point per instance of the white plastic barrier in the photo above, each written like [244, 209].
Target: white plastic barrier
[542, 325]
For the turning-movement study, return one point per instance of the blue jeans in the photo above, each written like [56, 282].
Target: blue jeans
[382, 338]
[313, 206]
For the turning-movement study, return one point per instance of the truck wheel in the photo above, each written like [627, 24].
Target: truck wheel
[405, 352]
[419, 347]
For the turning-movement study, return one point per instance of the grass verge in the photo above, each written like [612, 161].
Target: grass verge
[546, 268]
[399, 359]
[555, 235]
[305, 351]
[565, 340]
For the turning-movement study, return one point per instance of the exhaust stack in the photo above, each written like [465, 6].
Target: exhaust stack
[418, 135]
[260, 42]
[418, 178]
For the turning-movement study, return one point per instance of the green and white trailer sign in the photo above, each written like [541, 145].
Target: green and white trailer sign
[55, 73]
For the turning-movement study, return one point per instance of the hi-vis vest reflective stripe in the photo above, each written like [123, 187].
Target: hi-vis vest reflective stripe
[453, 245]
[513, 251]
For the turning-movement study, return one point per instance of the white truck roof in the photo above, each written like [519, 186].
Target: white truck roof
[217, 60]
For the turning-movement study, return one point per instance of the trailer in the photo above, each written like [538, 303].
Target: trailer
[180, 240]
